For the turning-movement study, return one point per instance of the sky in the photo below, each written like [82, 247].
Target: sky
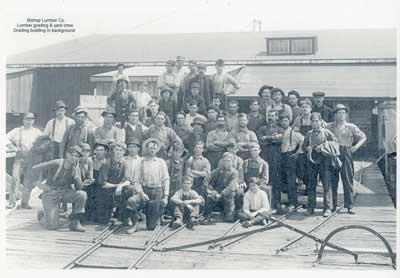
[176, 16]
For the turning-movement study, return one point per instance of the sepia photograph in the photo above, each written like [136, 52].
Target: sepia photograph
[201, 135]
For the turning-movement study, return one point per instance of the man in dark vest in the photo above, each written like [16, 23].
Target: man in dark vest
[133, 127]
[320, 107]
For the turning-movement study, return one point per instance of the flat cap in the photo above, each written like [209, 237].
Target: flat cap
[60, 104]
[80, 109]
[133, 141]
[318, 94]
[109, 110]
[197, 121]
[29, 115]
[340, 106]
[195, 85]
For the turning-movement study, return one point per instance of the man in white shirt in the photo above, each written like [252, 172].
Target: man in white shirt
[256, 206]
[56, 127]
[142, 98]
[120, 74]
[193, 108]
[23, 138]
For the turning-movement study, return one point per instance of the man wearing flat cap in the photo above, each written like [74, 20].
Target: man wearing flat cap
[22, 138]
[78, 133]
[350, 139]
[122, 101]
[194, 96]
[320, 107]
[169, 79]
[56, 127]
[108, 131]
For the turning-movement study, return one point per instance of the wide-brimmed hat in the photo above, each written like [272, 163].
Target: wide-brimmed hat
[80, 109]
[60, 104]
[101, 143]
[155, 140]
[340, 107]
[166, 89]
[263, 88]
[29, 115]
[109, 110]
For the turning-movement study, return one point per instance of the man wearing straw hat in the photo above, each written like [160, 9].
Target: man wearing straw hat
[56, 127]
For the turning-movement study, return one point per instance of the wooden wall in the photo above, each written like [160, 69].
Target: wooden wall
[19, 90]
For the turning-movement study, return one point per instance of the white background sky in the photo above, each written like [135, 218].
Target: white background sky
[177, 16]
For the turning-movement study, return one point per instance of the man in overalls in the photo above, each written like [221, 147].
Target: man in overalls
[62, 185]
[347, 134]
[268, 136]
[319, 165]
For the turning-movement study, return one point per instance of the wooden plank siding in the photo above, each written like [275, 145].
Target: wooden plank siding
[19, 90]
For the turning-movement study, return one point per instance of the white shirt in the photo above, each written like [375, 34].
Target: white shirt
[189, 120]
[256, 201]
[287, 145]
[59, 128]
[133, 167]
[141, 98]
[23, 138]
[118, 75]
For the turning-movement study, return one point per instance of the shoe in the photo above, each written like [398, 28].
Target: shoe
[164, 221]
[291, 207]
[194, 221]
[326, 213]
[309, 212]
[206, 221]
[333, 209]
[247, 224]
[25, 206]
[132, 229]
[11, 205]
[264, 222]
[350, 211]
[40, 215]
[274, 211]
[76, 226]
[176, 224]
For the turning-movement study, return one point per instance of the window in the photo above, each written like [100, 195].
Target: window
[291, 46]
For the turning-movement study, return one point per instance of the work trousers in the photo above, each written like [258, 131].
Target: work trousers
[51, 200]
[242, 216]
[153, 208]
[324, 171]
[226, 202]
[182, 212]
[104, 204]
[214, 158]
[346, 173]
[272, 154]
[21, 170]
[302, 168]
[288, 175]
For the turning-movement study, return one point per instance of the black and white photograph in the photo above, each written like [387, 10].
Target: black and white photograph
[194, 135]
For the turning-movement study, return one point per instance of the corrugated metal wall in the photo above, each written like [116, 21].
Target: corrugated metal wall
[19, 90]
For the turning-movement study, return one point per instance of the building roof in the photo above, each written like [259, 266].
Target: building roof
[150, 71]
[352, 81]
[16, 70]
[141, 48]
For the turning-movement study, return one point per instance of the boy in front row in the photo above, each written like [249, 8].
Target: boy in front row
[256, 205]
[186, 204]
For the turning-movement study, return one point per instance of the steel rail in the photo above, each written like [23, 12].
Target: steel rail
[226, 232]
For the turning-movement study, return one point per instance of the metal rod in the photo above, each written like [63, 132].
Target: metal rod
[283, 217]
[122, 247]
[153, 234]
[107, 228]
[99, 266]
[171, 234]
[206, 242]
[231, 228]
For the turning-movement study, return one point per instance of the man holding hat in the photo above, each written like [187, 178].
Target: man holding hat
[108, 131]
[320, 107]
[194, 96]
[319, 164]
[122, 101]
[277, 96]
[62, 173]
[78, 133]
[23, 138]
[169, 79]
[347, 134]
[56, 127]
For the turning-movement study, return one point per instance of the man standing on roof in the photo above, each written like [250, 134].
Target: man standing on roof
[224, 84]
[122, 101]
[169, 79]
[56, 127]
[347, 134]
[23, 138]
[320, 107]
[78, 133]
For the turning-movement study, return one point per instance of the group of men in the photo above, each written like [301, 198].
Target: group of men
[186, 154]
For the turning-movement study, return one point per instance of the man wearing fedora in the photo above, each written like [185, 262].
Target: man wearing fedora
[78, 133]
[277, 96]
[108, 131]
[320, 107]
[122, 101]
[23, 138]
[196, 135]
[56, 127]
[62, 173]
[320, 164]
[167, 104]
[350, 139]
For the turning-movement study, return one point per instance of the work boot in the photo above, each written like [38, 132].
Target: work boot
[326, 213]
[309, 212]
[177, 223]
[132, 229]
[25, 206]
[40, 215]
[350, 211]
[290, 207]
[247, 224]
[194, 221]
[75, 225]
[206, 220]
[264, 222]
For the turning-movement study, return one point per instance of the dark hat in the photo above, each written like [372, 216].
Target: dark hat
[180, 58]
[283, 116]
[263, 88]
[60, 104]
[155, 140]
[80, 109]
[109, 110]
[118, 144]
[293, 92]
[120, 64]
[318, 94]
[76, 149]
[166, 89]
[201, 66]
[306, 101]
[274, 90]
[254, 145]
[102, 143]
[170, 63]
[85, 146]
[195, 85]
[219, 62]
[197, 121]
[134, 141]
[122, 79]
[340, 107]
[29, 115]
